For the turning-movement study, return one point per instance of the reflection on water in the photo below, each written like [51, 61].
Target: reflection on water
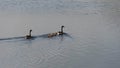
[44, 36]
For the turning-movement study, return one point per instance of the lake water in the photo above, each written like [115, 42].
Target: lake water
[92, 40]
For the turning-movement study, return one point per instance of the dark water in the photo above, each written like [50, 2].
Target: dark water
[91, 39]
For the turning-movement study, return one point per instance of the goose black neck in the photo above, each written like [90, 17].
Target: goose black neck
[62, 29]
[30, 32]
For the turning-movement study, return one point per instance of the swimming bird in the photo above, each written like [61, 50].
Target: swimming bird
[28, 36]
[56, 33]
[61, 32]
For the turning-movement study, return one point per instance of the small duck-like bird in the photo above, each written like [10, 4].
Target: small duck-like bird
[56, 33]
[28, 36]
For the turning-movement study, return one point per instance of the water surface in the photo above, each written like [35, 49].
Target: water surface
[92, 40]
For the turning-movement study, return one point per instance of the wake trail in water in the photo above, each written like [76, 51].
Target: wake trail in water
[44, 36]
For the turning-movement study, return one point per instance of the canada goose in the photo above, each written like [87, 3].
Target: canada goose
[28, 36]
[56, 33]
[61, 32]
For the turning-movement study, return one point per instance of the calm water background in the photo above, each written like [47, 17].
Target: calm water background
[94, 26]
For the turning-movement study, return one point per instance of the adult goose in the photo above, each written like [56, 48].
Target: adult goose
[56, 33]
[61, 32]
[29, 35]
